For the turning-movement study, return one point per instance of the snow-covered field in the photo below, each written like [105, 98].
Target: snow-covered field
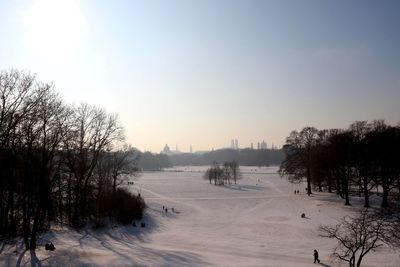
[254, 223]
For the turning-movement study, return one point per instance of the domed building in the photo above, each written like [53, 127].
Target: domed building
[166, 150]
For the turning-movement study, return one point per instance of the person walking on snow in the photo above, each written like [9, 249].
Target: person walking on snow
[316, 259]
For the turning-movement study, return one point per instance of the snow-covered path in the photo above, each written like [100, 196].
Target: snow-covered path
[254, 223]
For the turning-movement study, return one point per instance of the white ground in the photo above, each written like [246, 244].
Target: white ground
[255, 223]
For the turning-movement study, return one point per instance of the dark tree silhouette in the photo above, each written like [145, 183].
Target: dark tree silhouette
[244, 157]
[221, 176]
[299, 151]
[358, 159]
[362, 159]
[384, 144]
[51, 159]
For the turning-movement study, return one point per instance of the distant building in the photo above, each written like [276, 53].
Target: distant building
[263, 145]
[251, 146]
[234, 144]
[274, 147]
[168, 151]
[191, 149]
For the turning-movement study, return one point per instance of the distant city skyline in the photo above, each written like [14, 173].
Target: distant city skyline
[234, 145]
[201, 72]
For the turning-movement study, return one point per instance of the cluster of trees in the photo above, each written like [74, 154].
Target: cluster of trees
[223, 174]
[246, 157]
[59, 163]
[249, 157]
[360, 159]
[153, 162]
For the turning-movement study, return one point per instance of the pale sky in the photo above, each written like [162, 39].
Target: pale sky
[207, 71]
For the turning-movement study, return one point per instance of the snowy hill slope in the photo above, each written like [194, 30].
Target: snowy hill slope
[254, 223]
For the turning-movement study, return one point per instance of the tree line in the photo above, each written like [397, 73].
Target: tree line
[59, 163]
[361, 160]
[249, 157]
[226, 174]
[153, 162]
[246, 157]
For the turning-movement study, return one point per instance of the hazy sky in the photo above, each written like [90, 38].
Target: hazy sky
[204, 72]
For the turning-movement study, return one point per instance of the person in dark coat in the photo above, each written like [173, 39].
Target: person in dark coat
[316, 259]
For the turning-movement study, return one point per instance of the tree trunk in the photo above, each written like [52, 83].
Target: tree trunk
[366, 193]
[11, 228]
[338, 187]
[114, 183]
[385, 195]
[345, 187]
[308, 182]
[25, 223]
[69, 197]
[60, 204]
[359, 261]
[346, 194]
[78, 198]
[2, 230]
[26, 240]
[9, 209]
[352, 261]
[329, 182]
[398, 185]
[35, 227]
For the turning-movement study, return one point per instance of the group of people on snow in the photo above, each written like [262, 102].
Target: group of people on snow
[166, 209]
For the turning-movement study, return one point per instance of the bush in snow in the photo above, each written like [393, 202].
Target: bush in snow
[123, 206]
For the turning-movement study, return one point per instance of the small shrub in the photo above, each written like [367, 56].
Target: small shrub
[99, 223]
[124, 207]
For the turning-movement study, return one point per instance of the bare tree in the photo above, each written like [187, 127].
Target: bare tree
[208, 175]
[227, 172]
[92, 132]
[384, 145]
[223, 175]
[393, 234]
[50, 156]
[115, 166]
[215, 173]
[234, 166]
[357, 236]
[362, 159]
[298, 150]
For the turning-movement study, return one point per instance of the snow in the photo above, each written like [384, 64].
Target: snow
[254, 223]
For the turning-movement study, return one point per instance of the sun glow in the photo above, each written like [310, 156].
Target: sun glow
[54, 28]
